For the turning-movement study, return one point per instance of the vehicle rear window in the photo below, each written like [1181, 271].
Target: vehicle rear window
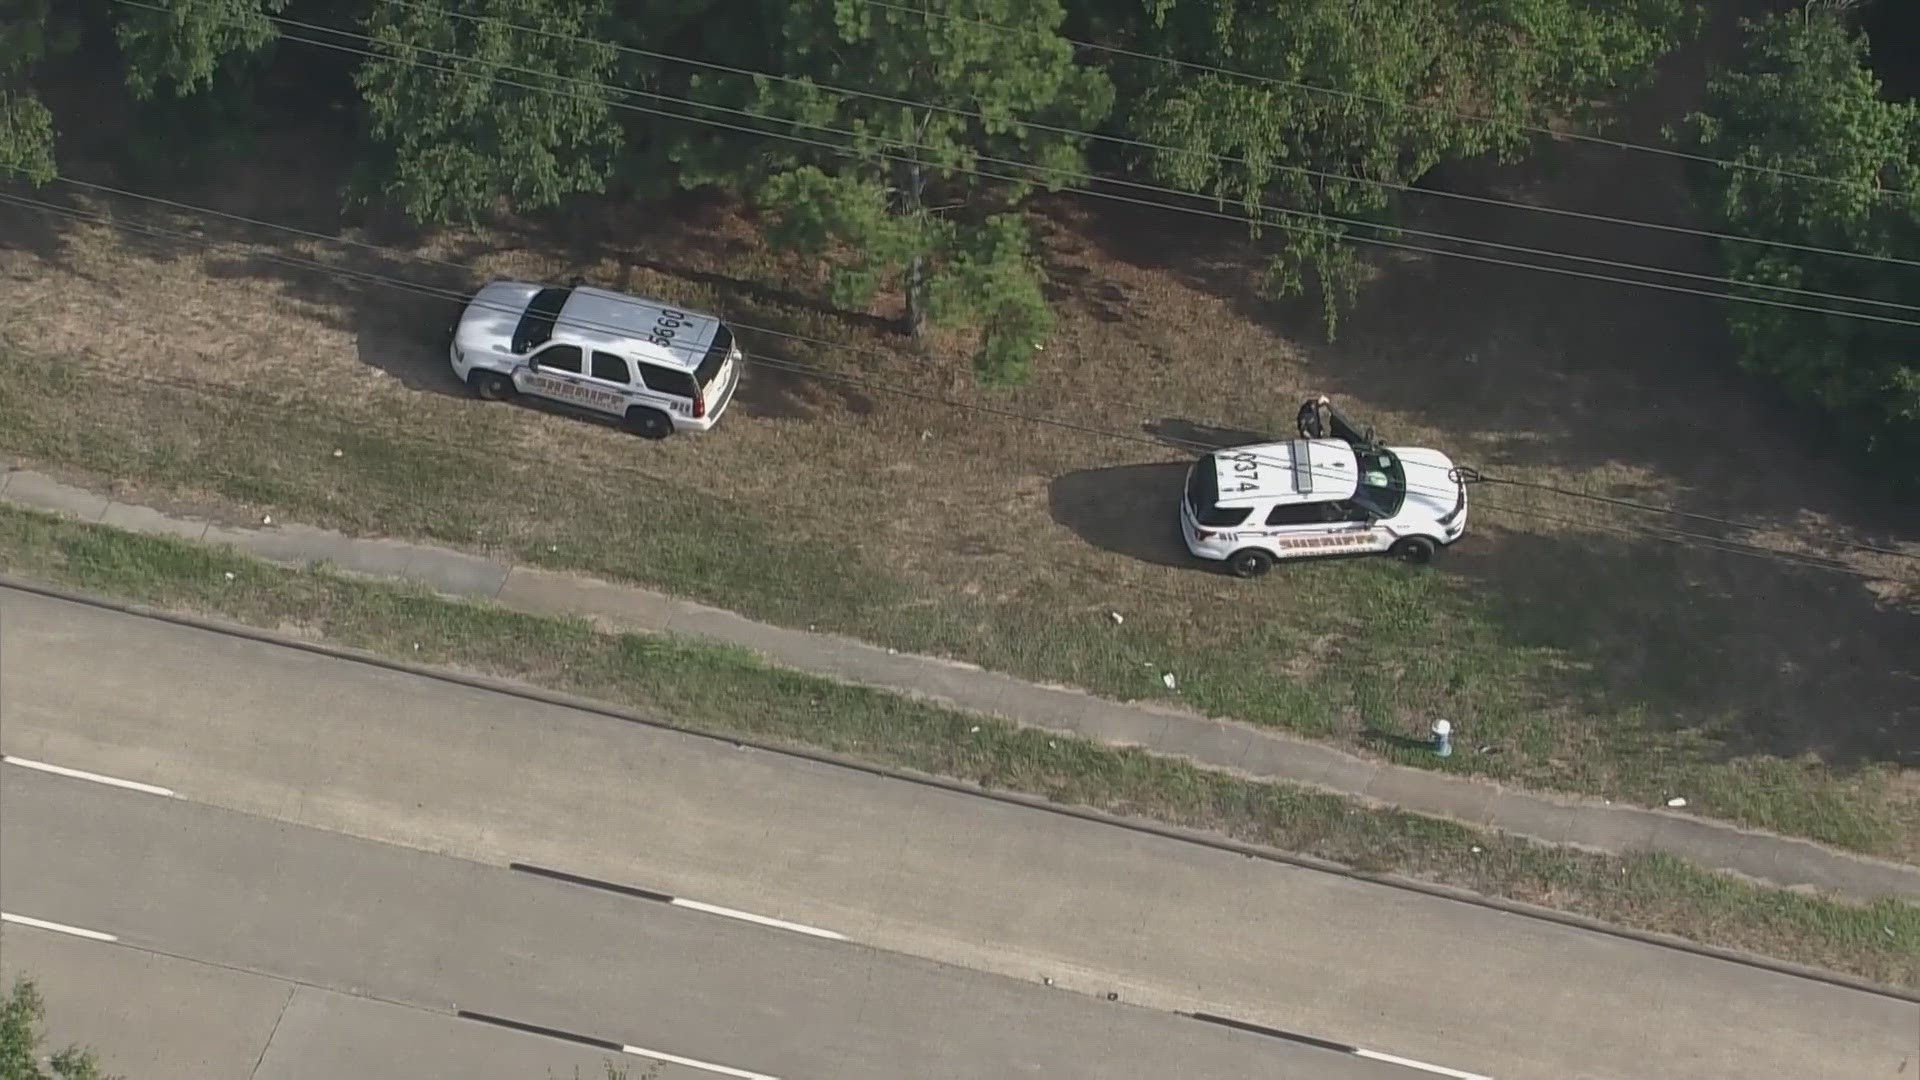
[717, 353]
[1203, 488]
[536, 325]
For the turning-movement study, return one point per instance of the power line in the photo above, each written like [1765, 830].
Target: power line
[1069, 174]
[944, 400]
[1536, 129]
[1121, 140]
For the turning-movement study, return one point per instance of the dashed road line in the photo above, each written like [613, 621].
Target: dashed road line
[58, 928]
[77, 774]
[691, 1063]
[762, 920]
[1337, 1047]
[676, 901]
[607, 1044]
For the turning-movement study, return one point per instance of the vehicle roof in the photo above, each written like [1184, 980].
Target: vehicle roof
[1295, 471]
[616, 322]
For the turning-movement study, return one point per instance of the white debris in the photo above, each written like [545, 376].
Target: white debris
[974, 730]
[337, 452]
[1046, 980]
[229, 575]
[893, 652]
[1168, 679]
[925, 435]
[1476, 849]
[1116, 617]
[416, 646]
[266, 519]
[1676, 801]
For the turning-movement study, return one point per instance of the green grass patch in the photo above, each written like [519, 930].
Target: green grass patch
[731, 692]
[1629, 679]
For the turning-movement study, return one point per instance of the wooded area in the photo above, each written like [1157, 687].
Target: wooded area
[901, 143]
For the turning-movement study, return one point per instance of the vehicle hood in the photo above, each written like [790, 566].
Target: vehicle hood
[488, 323]
[1431, 489]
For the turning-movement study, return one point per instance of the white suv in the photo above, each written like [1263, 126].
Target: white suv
[1312, 496]
[661, 369]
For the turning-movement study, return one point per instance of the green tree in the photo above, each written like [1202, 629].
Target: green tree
[1801, 99]
[453, 137]
[183, 44]
[26, 127]
[1247, 143]
[21, 1011]
[899, 207]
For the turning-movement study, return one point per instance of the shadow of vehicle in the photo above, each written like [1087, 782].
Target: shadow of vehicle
[1131, 510]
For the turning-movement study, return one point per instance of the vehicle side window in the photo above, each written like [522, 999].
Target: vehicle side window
[1299, 514]
[666, 381]
[1347, 511]
[559, 358]
[610, 368]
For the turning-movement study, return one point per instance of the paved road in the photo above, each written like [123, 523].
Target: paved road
[158, 1017]
[434, 932]
[347, 748]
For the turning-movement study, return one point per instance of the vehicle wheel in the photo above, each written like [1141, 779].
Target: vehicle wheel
[1249, 562]
[490, 385]
[1417, 550]
[649, 423]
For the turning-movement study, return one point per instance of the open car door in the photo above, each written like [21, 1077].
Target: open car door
[1335, 423]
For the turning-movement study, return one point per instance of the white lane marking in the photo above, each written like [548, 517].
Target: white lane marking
[111, 781]
[1421, 1065]
[748, 916]
[58, 928]
[675, 1059]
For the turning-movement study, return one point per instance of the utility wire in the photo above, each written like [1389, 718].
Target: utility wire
[1091, 193]
[944, 400]
[1121, 140]
[1073, 175]
[1350, 95]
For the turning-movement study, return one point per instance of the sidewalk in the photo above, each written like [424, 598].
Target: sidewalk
[1243, 749]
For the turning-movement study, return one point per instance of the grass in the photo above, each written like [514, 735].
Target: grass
[1579, 659]
[731, 692]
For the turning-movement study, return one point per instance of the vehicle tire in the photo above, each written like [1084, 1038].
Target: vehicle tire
[1249, 562]
[490, 385]
[649, 423]
[1414, 550]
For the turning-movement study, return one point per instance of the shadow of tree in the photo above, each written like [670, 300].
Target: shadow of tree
[1754, 656]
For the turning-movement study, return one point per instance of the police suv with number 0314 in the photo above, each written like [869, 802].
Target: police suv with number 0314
[1324, 493]
[660, 369]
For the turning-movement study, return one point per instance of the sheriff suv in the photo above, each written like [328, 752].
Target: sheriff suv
[660, 369]
[1337, 493]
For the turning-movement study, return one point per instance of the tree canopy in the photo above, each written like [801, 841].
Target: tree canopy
[21, 1011]
[898, 145]
[1802, 102]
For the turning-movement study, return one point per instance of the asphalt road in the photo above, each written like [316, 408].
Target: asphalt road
[437, 933]
[344, 748]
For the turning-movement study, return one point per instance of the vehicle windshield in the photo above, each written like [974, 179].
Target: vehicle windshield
[1383, 482]
[536, 325]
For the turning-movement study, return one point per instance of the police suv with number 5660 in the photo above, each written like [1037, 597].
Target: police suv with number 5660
[661, 369]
